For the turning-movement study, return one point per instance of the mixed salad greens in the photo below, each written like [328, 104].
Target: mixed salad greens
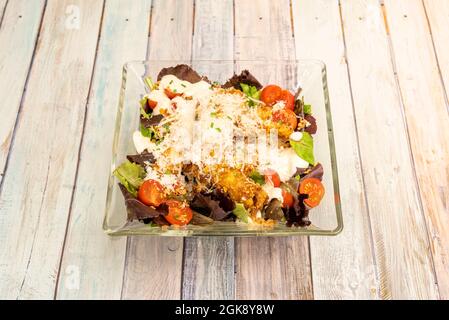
[186, 170]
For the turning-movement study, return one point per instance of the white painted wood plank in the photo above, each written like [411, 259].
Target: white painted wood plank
[203, 257]
[269, 268]
[428, 122]
[438, 18]
[154, 264]
[355, 276]
[38, 185]
[18, 33]
[99, 260]
[400, 237]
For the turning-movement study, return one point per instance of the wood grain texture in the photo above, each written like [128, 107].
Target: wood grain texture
[38, 185]
[269, 268]
[154, 264]
[438, 18]
[204, 257]
[421, 88]
[18, 33]
[400, 238]
[97, 259]
[341, 270]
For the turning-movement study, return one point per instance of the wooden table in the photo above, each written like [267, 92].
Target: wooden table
[60, 74]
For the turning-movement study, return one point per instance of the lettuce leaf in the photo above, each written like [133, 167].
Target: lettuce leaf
[251, 92]
[240, 212]
[143, 108]
[130, 175]
[149, 82]
[147, 132]
[257, 177]
[304, 147]
[307, 109]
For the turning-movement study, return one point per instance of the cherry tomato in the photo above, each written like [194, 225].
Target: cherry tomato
[170, 94]
[314, 189]
[272, 177]
[152, 104]
[286, 116]
[288, 199]
[288, 98]
[178, 213]
[151, 192]
[270, 94]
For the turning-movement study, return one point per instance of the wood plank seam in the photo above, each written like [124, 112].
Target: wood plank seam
[128, 240]
[277, 284]
[3, 13]
[407, 133]
[142, 250]
[79, 151]
[376, 269]
[405, 236]
[430, 172]
[309, 253]
[184, 240]
[149, 26]
[2, 174]
[436, 56]
[125, 262]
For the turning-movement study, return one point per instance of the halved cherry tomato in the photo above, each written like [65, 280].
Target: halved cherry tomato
[314, 189]
[288, 199]
[178, 212]
[151, 192]
[270, 94]
[288, 98]
[286, 116]
[152, 104]
[272, 177]
[170, 94]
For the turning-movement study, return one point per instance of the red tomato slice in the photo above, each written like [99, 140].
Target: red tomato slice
[288, 199]
[270, 94]
[151, 192]
[272, 177]
[170, 94]
[314, 189]
[152, 104]
[286, 116]
[178, 213]
[288, 98]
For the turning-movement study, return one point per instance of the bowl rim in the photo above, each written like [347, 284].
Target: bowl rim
[301, 231]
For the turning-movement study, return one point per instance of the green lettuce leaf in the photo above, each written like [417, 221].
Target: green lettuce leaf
[307, 109]
[304, 148]
[257, 177]
[147, 132]
[251, 92]
[143, 104]
[240, 212]
[149, 82]
[130, 175]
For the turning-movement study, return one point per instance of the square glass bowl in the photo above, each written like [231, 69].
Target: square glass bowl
[310, 75]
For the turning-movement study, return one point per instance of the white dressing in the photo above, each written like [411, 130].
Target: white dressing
[163, 102]
[141, 143]
[272, 192]
[284, 161]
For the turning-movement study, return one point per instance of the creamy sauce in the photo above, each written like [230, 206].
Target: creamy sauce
[203, 125]
[141, 143]
[284, 161]
[272, 192]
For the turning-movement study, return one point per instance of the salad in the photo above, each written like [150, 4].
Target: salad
[208, 152]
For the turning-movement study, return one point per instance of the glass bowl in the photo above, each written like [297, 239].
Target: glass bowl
[310, 75]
